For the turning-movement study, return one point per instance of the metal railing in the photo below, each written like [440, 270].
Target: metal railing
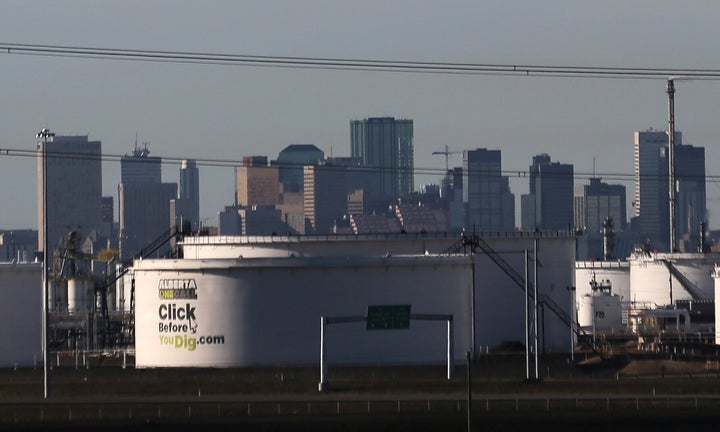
[27, 413]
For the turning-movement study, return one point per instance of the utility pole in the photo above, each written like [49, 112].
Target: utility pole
[46, 135]
[671, 161]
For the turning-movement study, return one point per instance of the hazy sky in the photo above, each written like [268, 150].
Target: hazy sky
[226, 112]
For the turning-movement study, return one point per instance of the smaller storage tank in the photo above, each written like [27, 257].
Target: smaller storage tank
[601, 309]
[76, 295]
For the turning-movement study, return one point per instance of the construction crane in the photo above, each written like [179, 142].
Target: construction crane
[447, 154]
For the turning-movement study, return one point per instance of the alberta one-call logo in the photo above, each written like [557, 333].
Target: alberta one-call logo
[178, 325]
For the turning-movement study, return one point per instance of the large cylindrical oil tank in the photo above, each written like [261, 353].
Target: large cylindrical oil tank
[617, 273]
[268, 312]
[659, 279]
[21, 314]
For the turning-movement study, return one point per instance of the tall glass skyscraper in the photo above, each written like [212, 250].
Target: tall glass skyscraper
[144, 202]
[490, 204]
[385, 146]
[187, 206]
[74, 188]
[549, 205]
[652, 195]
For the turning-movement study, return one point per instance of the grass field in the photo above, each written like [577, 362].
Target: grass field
[627, 393]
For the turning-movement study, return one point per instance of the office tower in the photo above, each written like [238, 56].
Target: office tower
[490, 204]
[108, 220]
[385, 146]
[691, 204]
[325, 197]
[186, 208]
[257, 185]
[144, 202]
[601, 201]
[549, 205]
[651, 186]
[229, 222]
[651, 190]
[451, 195]
[290, 164]
[74, 188]
[140, 167]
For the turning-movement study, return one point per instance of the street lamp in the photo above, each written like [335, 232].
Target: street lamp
[46, 136]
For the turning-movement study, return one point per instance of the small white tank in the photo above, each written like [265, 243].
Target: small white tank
[76, 295]
[600, 310]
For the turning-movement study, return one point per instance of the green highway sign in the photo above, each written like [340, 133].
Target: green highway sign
[388, 317]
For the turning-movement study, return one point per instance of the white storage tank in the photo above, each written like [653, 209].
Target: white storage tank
[601, 310]
[659, 279]
[239, 301]
[216, 313]
[21, 314]
[617, 273]
[77, 295]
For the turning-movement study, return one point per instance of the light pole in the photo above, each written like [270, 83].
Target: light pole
[45, 135]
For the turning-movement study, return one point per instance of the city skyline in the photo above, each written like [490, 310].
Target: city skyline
[214, 112]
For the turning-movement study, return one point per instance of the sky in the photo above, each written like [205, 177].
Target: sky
[226, 112]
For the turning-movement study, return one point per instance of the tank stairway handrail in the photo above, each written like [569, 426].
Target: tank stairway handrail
[686, 283]
[152, 247]
[476, 242]
[564, 317]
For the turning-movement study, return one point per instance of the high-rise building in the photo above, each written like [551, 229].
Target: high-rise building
[186, 208]
[602, 201]
[651, 186]
[325, 197]
[140, 167]
[549, 205]
[290, 164]
[652, 194]
[385, 146]
[490, 204]
[144, 202]
[691, 201]
[257, 186]
[74, 188]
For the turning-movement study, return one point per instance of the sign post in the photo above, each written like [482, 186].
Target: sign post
[385, 317]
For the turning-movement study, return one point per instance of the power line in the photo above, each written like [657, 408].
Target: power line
[230, 163]
[407, 66]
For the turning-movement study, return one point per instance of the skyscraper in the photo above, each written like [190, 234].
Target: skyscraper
[290, 163]
[600, 201]
[549, 205]
[490, 204]
[74, 188]
[691, 201]
[385, 145]
[325, 197]
[187, 204]
[257, 186]
[651, 186]
[144, 202]
[651, 189]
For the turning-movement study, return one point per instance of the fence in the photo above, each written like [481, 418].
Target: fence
[89, 411]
